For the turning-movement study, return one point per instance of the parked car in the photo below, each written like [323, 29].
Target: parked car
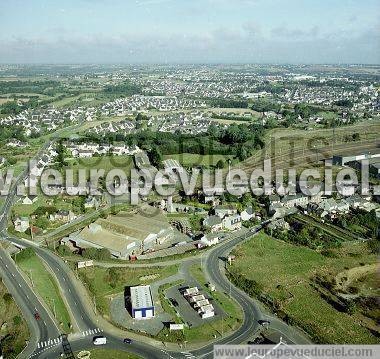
[174, 302]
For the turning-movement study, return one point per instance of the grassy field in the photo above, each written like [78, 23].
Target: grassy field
[46, 287]
[103, 284]
[284, 272]
[108, 353]
[15, 330]
[192, 160]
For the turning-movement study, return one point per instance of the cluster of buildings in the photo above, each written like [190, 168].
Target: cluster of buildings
[355, 161]
[85, 150]
[364, 98]
[322, 205]
[38, 121]
[199, 302]
[191, 122]
[130, 105]
[122, 126]
[37, 167]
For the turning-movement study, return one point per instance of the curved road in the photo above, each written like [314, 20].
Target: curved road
[87, 323]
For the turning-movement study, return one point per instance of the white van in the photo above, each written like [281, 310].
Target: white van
[99, 341]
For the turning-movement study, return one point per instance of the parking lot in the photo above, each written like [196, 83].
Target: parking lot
[188, 314]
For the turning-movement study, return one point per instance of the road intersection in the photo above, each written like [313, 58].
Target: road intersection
[45, 339]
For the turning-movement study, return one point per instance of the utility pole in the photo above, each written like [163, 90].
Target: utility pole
[31, 277]
[55, 314]
[229, 170]
[95, 306]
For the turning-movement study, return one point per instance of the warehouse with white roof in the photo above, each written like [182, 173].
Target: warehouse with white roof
[142, 302]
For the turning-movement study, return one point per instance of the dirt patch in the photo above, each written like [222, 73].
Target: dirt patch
[349, 277]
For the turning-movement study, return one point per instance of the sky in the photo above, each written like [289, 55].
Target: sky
[190, 31]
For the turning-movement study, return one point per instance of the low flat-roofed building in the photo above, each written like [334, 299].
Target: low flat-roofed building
[172, 165]
[124, 234]
[96, 236]
[341, 160]
[196, 298]
[191, 291]
[201, 303]
[142, 306]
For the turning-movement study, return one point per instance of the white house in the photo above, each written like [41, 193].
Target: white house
[209, 240]
[21, 224]
[247, 214]
[29, 200]
[225, 210]
[232, 223]
[214, 223]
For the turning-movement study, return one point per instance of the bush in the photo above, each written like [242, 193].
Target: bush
[7, 297]
[17, 320]
[63, 250]
[26, 254]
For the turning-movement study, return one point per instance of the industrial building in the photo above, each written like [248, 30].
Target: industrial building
[142, 302]
[340, 160]
[172, 165]
[123, 234]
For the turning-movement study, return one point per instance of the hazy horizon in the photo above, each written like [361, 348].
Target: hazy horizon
[189, 32]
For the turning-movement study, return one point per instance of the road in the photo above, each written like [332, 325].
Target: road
[87, 323]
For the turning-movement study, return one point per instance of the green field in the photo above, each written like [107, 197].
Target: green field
[46, 286]
[104, 283]
[284, 272]
[15, 332]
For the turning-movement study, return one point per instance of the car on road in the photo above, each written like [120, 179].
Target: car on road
[99, 340]
[127, 341]
[264, 322]
[37, 316]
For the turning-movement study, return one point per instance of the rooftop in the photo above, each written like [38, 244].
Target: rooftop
[141, 297]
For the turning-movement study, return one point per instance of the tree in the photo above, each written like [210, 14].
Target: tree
[42, 222]
[155, 156]
[61, 152]
[220, 164]
[7, 298]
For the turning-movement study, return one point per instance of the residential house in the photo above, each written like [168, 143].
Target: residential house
[213, 223]
[91, 202]
[279, 224]
[247, 214]
[232, 223]
[293, 201]
[63, 216]
[21, 224]
[209, 240]
[29, 200]
[225, 210]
